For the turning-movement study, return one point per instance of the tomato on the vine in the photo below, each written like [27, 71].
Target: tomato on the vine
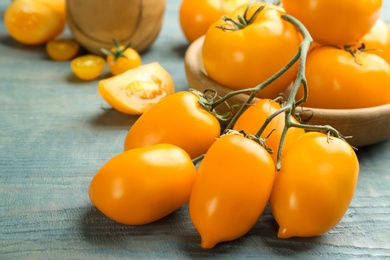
[197, 16]
[231, 189]
[335, 22]
[136, 90]
[62, 49]
[88, 67]
[121, 58]
[143, 185]
[240, 58]
[254, 117]
[32, 22]
[338, 79]
[315, 185]
[177, 119]
[377, 40]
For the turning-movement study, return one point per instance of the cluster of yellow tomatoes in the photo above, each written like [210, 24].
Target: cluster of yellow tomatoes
[237, 176]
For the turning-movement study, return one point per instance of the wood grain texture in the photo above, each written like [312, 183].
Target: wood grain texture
[56, 132]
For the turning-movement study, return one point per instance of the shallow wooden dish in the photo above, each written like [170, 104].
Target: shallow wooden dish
[365, 126]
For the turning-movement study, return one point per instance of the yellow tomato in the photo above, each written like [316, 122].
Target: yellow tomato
[377, 40]
[135, 90]
[62, 49]
[31, 22]
[88, 67]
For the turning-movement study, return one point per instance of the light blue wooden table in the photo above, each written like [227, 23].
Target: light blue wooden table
[55, 133]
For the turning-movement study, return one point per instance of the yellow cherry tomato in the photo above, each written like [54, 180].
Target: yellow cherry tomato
[136, 90]
[231, 189]
[88, 67]
[58, 6]
[122, 58]
[143, 185]
[377, 40]
[315, 185]
[31, 22]
[62, 49]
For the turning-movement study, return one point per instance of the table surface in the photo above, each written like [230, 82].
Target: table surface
[56, 132]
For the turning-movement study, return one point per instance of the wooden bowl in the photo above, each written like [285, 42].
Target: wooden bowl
[365, 126]
[95, 23]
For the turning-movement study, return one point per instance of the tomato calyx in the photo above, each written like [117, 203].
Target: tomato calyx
[242, 20]
[118, 51]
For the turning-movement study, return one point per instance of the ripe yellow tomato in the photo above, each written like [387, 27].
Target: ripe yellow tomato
[177, 119]
[196, 16]
[143, 185]
[335, 22]
[88, 67]
[62, 49]
[337, 79]
[136, 90]
[254, 117]
[231, 189]
[377, 40]
[58, 6]
[31, 22]
[121, 58]
[240, 58]
[315, 185]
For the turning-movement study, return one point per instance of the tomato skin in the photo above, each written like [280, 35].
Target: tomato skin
[231, 189]
[315, 185]
[197, 16]
[377, 40]
[136, 90]
[241, 59]
[143, 185]
[335, 22]
[62, 49]
[32, 22]
[131, 60]
[88, 67]
[177, 119]
[255, 115]
[336, 80]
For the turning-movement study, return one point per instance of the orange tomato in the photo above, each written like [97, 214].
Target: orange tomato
[31, 22]
[315, 185]
[255, 115]
[143, 185]
[377, 40]
[231, 189]
[88, 67]
[240, 58]
[62, 49]
[138, 89]
[122, 58]
[197, 16]
[58, 6]
[337, 79]
[335, 22]
[177, 119]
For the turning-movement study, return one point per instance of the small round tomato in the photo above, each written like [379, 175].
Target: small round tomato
[231, 189]
[315, 185]
[377, 40]
[122, 58]
[177, 119]
[338, 79]
[62, 49]
[136, 90]
[31, 22]
[58, 6]
[88, 67]
[197, 16]
[335, 22]
[240, 58]
[143, 185]
[255, 115]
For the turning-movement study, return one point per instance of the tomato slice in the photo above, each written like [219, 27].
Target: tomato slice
[62, 49]
[135, 90]
[88, 67]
